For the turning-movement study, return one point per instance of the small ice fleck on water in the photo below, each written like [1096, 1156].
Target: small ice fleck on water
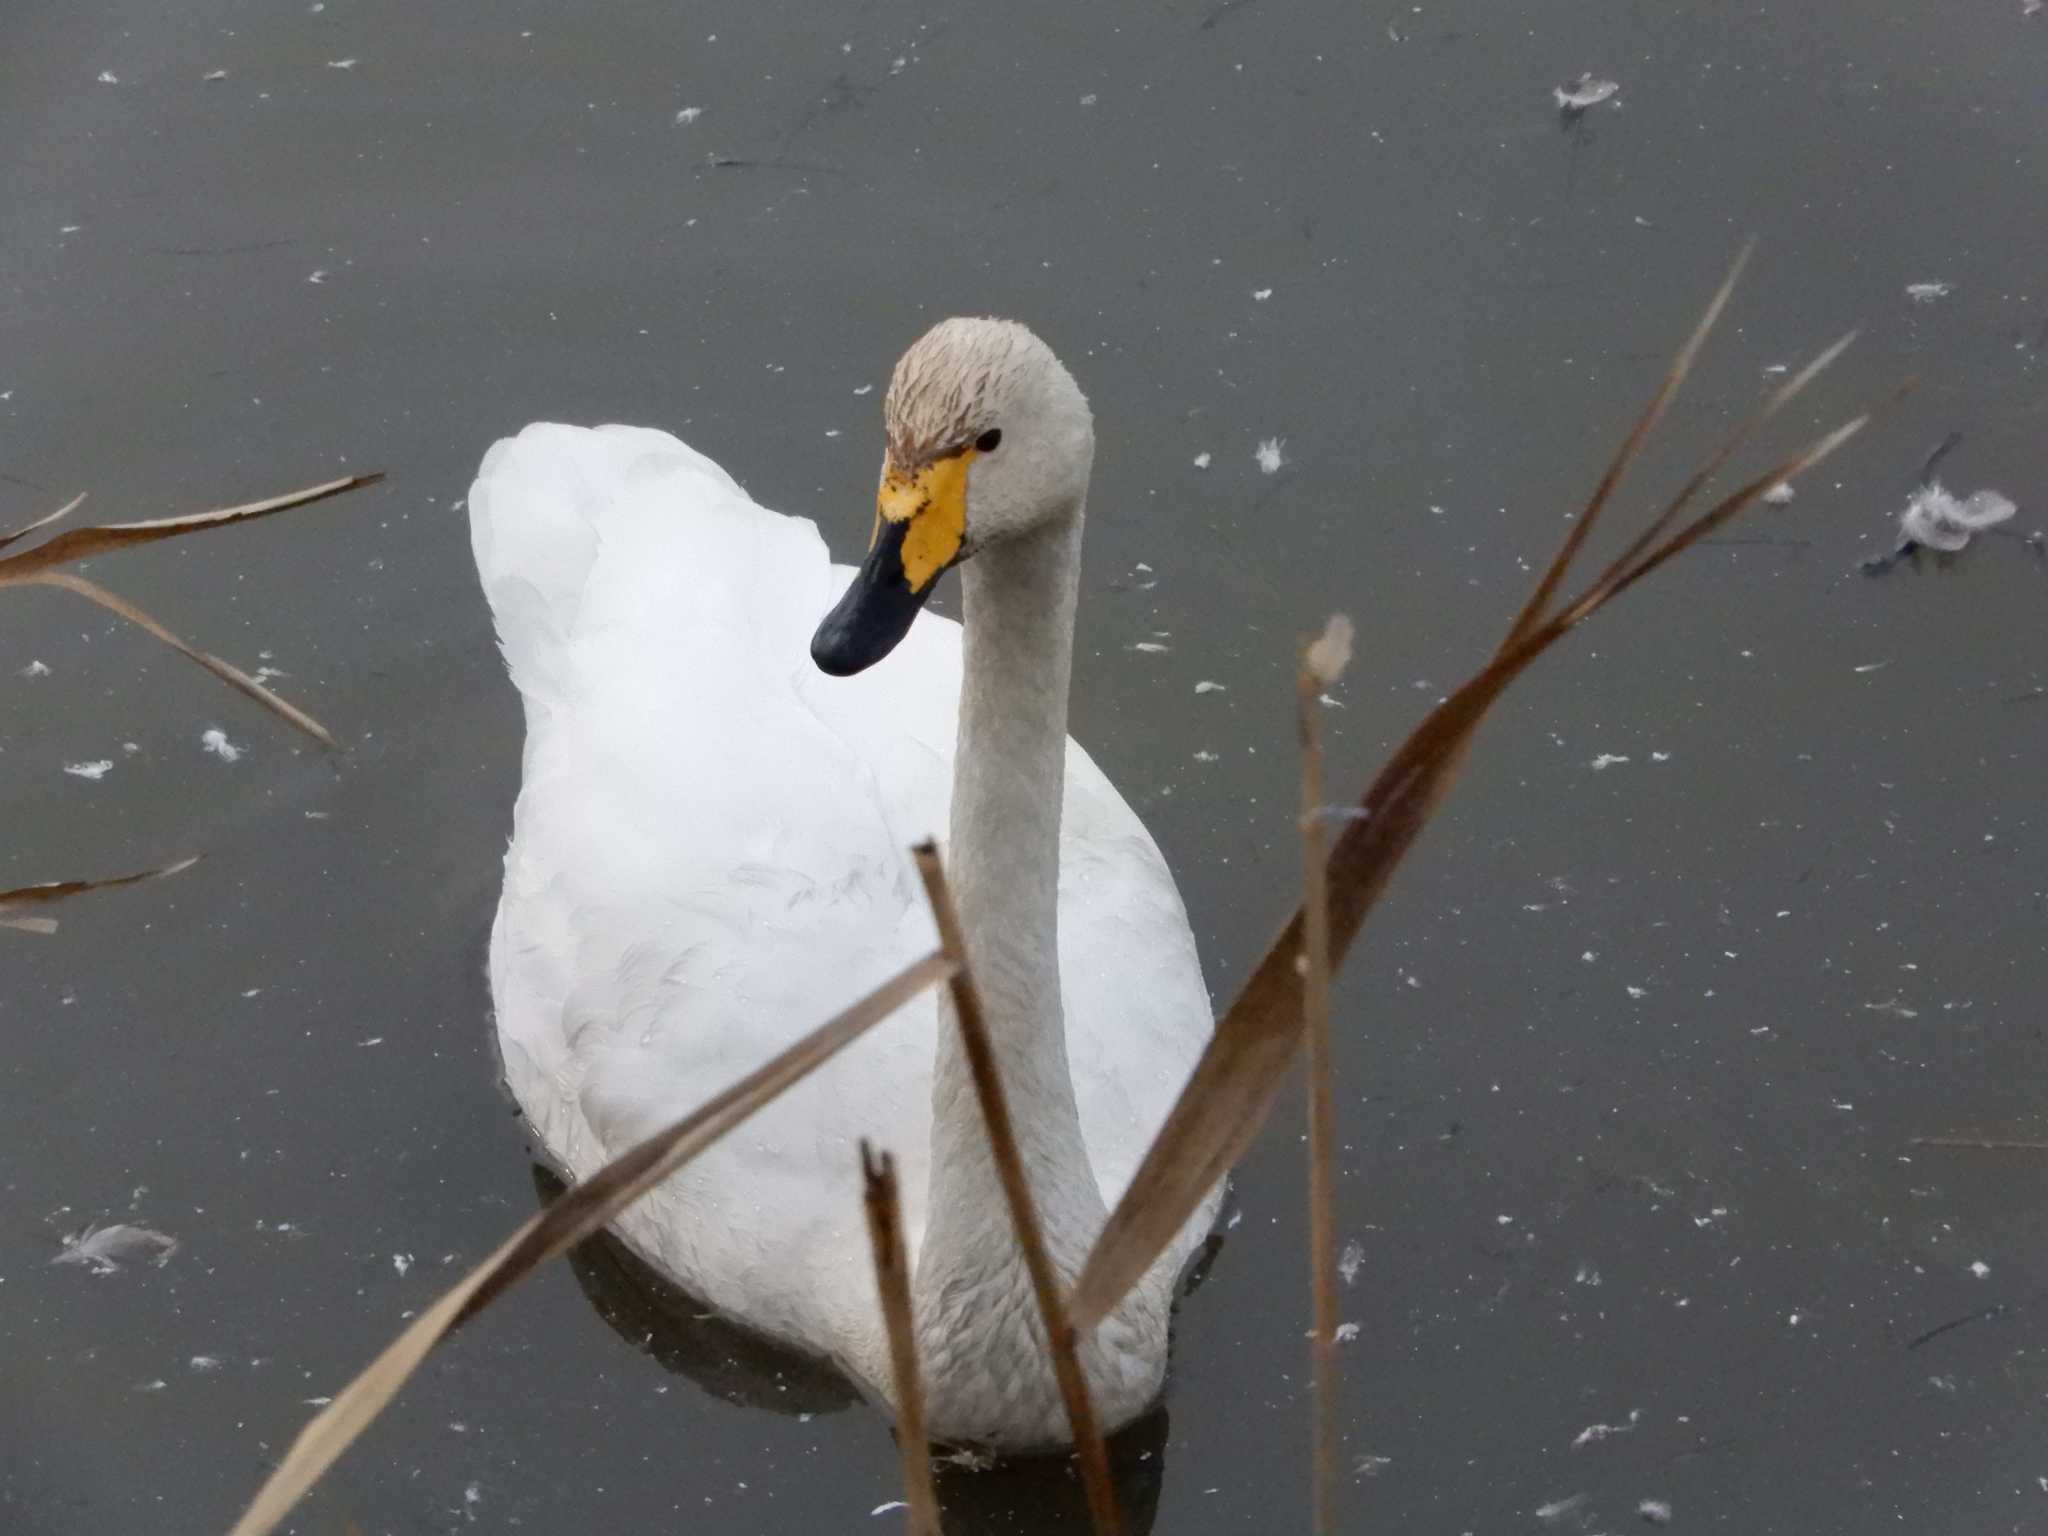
[1557, 1509]
[883, 1509]
[215, 740]
[1269, 455]
[1594, 1433]
[343, 63]
[1371, 1466]
[1980, 1269]
[104, 1250]
[1576, 96]
[97, 769]
[1260, 295]
[1345, 1333]
[1350, 1261]
[1203, 460]
[214, 74]
[1205, 686]
[36, 669]
[1587, 1275]
[401, 1262]
[205, 1365]
[1928, 293]
[1656, 1511]
[1780, 495]
[1090, 99]
[108, 77]
[1150, 647]
[1608, 760]
[1205, 756]
[1936, 518]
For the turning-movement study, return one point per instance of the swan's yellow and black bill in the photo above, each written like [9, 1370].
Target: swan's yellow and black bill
[920, 526]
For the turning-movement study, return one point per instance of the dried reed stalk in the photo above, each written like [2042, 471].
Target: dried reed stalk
[12, 902]
[36, 566]
[1322, 662]
[892, 1285]
[1235, 1083]
[1061, 1340]
[578, 1213]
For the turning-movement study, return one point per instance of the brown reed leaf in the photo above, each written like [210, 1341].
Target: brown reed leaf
[578, 1213]
[42, 522]
[226, 671]
[1235, 1083]
[27, 896]
[83, 543]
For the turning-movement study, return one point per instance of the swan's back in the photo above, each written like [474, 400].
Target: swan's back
[709, 858]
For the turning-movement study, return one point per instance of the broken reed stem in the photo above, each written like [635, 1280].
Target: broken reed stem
[1316, 673]
[892, 1285]
[1061, 1341]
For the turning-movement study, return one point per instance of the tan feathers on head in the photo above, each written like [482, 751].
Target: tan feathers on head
[943, 392]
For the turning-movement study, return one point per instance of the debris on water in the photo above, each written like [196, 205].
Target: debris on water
[1269, 455]
[36, 669]
[1607, 760]
[1937, 519]
[1575, 96]
[205, 1365]
[401, 1262]
[1371, 1466]
[883, 1509]
[317, 276]
[1928, 293]
[1656, 1511]
[1779, 495]
[1205, 686]
[343, 63]
[689, 114]
[1345, 1333]
[1350, 1261]
[1587, 1274]
[108, 77]
[214, 74]
[1557, 1509]
[1205, 756]
[1090, 99]
[1150, 647]
[1203, 460]
[104, 1250]
[1260, 295]
[215, 740]
[1593, 1434]
[1979, 1268]
[472, 1496]
[97, 769]
[1874, 666]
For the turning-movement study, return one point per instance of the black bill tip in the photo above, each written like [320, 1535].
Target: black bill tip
[875, 614]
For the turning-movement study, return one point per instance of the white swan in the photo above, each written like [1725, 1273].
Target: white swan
[708, 858]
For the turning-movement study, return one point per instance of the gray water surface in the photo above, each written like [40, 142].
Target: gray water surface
[1632, 1059]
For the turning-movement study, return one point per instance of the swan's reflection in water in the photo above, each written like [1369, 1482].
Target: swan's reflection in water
[1024, 1496]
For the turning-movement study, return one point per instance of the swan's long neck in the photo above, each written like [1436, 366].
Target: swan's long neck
[1003, 862]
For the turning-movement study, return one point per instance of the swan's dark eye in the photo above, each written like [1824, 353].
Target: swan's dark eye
[989, 441]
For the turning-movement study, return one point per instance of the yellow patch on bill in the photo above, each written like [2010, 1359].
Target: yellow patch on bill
[933, 501]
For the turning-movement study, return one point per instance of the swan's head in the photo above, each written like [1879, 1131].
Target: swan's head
[988, 438]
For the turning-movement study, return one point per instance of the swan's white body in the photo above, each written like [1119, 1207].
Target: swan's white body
[709, 857]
